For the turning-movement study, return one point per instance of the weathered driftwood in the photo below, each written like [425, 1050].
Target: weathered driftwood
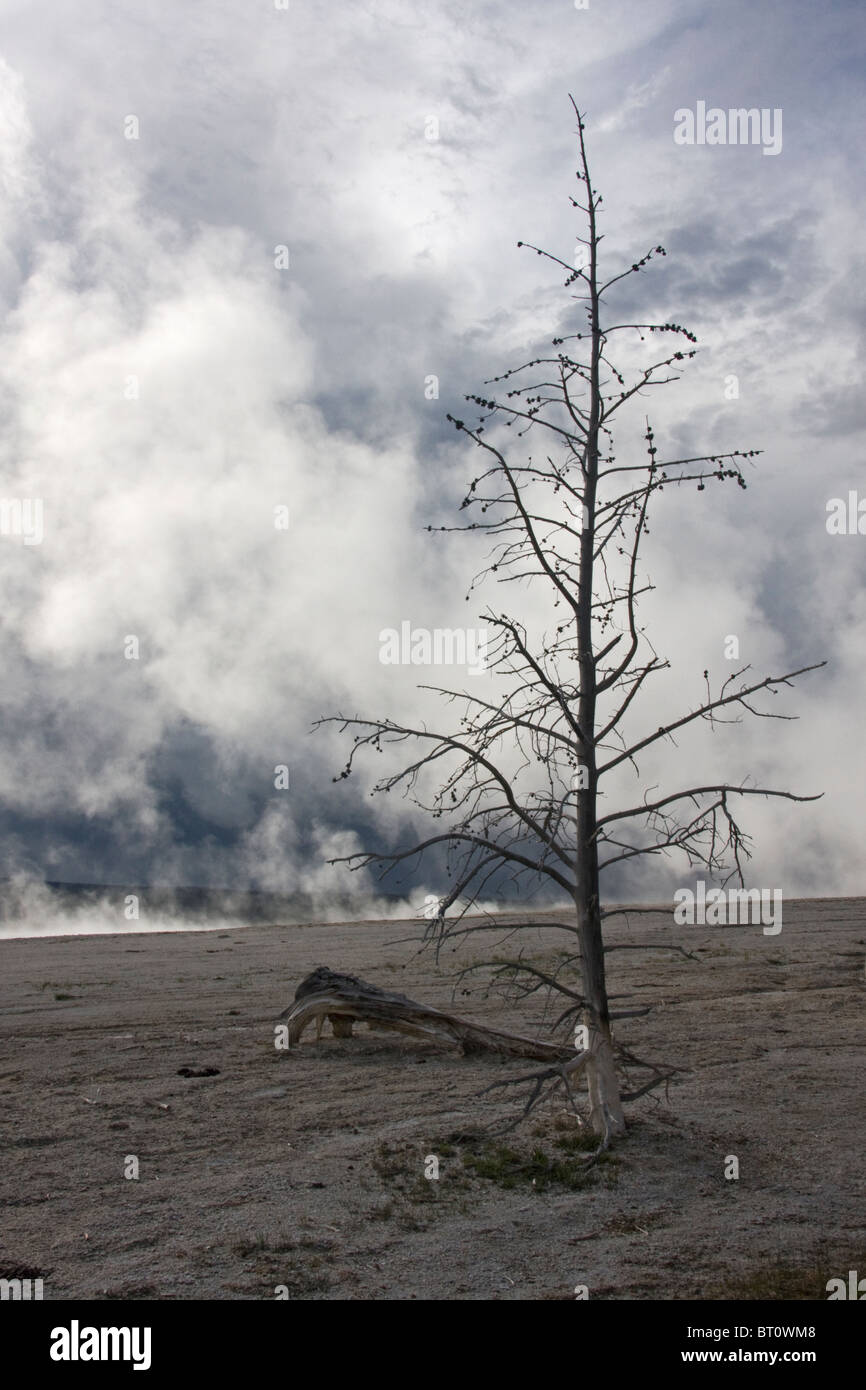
[343, 999]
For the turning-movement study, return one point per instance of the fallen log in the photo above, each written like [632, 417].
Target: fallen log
[344, 999]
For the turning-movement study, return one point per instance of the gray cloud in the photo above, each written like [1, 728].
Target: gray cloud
[163, 387]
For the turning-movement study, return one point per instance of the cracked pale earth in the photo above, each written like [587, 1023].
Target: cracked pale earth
[304, 1170]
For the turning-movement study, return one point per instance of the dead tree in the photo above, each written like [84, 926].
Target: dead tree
[517, 779]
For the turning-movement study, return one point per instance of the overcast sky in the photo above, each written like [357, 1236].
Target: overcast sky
[165, 385]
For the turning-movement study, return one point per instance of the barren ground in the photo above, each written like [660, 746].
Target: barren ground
[306, 1169]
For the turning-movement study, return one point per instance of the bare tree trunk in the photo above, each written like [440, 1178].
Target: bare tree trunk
[606, 1115]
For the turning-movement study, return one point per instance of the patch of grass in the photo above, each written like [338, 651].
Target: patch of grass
[406, 1165]
[60, 987]
[30, 1141]
[803, 1280]
[509, 1168]
[554, 1153]
[410, 1197]
[277, 1259]
[256, 1244]
[323, 1247]
[383, 1212]
[579, 1141]
[131, 1291]
[542, 1161]
[301, 1275]
[633, 1226]
[388, 1162]
[301, 1280]
[460, 1138]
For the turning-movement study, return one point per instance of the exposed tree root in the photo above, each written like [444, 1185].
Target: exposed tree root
[344, 999]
